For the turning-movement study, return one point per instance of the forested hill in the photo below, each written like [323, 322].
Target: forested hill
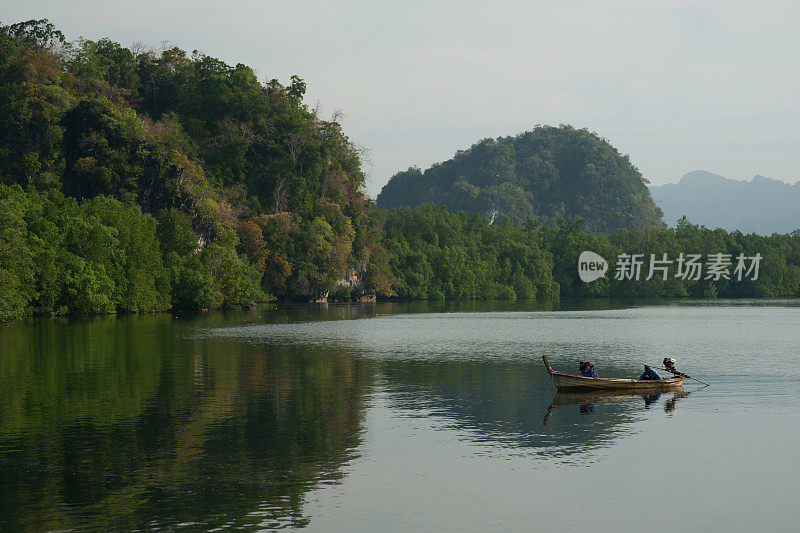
[136, 180]
[546, 174]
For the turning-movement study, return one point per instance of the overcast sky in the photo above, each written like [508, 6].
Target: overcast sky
[677, 85]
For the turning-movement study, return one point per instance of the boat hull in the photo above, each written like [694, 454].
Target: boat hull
[570, 382]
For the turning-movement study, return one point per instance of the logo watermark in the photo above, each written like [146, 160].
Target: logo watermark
[592, 266]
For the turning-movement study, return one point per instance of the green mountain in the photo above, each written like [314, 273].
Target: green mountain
[545, 174]
[138, 180]
[235, 189]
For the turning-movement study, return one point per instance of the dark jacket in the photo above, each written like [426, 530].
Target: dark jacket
[649, 373]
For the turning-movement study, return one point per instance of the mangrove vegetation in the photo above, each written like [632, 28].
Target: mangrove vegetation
[135, 180]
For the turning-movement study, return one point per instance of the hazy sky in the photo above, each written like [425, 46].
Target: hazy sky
[678, 85]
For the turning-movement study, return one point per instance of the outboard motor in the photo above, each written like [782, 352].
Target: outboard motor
[669, 364]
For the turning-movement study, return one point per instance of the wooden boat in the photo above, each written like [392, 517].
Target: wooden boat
[573, 382]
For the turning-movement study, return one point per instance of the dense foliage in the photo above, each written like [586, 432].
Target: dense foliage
[248, 191]
[142, 181]
[441, 255]
[455, 256]
[438, 255]
[546, 174]
[58, 255]
[779, 271]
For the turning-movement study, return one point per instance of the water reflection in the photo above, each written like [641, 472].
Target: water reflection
[669, 406]
[506, 405]
[124, 423]
[229, 420]
[588, 402]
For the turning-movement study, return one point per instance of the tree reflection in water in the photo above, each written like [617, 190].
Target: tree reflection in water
[135, 422]
[126, 423]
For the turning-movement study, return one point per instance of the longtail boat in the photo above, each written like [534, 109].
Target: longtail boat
[574, 382]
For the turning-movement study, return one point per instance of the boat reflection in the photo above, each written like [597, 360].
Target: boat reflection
[587, 401]
[503, 405]
[669, 406]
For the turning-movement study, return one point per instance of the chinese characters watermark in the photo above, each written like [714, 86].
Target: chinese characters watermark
[715, 267]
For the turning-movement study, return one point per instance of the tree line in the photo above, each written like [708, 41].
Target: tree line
[244, 192]
[441, 255]
[136, 180]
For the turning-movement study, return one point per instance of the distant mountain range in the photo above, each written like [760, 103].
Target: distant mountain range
[761, 205]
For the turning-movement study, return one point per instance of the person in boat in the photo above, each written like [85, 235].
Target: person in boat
[587, 369]
[649, 373]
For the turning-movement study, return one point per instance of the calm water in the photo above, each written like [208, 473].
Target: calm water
[401, 417]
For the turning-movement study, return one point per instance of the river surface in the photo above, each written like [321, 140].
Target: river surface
[400, 417]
